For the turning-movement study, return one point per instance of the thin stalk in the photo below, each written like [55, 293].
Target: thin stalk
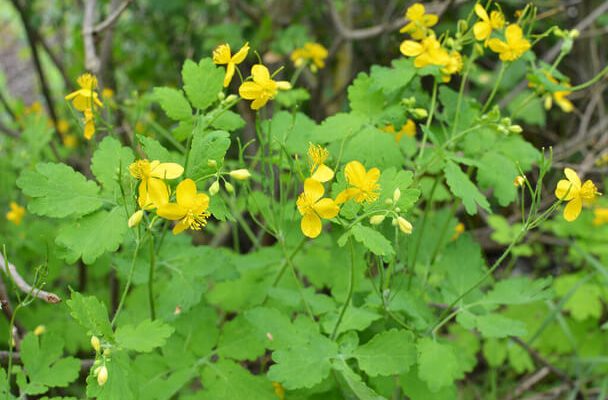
[351, 287]
[501, 74]
[151, 277]
[428, 121]
[128, 284]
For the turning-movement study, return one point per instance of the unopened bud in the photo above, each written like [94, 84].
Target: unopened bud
[240, 174]
[102, 375]
[231, 98]
[221, 96]
[404, 225]
[388, 202]
[211, 163]
[516, 129]
[420, 113]
[462, 25]
[478, 49]
[519, 181]
[397, 209]
[229, 187]
[107, 352]
[40, 329]
[376, 219]
[95, 343]
[135, 219]
[214, 188]
[396, 195]
[574, 33]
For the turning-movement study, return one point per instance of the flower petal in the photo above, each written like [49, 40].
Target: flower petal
[158, 193]
[311, 225]
[313, 189]
[565, 190]
[573, 177]
[259, 103]
[323, 173]
[186, 193]
[482, 30]
[240, 55]
[250, 90]
[481, 12]
[573, 209]
[180, 227]
[260, 73]
[410, 48]
[355, 173]
[166, 170]
[347, 194]
[172, 211]
[221, 54]
[229, 74]
[498, 46]
[513, 34]
[326, 208]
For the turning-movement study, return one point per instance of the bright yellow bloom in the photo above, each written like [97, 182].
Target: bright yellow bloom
[458, 230]
[107, 93]
[153, 191]
[190, 208]
[314, 52]
[427, 52]
[453, 66]
[483, 29]
[519, 181]
[15, 214]
[561, 100]
[600, 216]
[40, 329]
[317, 156]
[63, 126]
[279, 390]
[514, 47]
[70, 141]
[262, 88]
[223, 56]
[575, 193]
[408, 129]
[86, 97]
[89, 124]
[312, 208]
[364, 185]
[419, 21]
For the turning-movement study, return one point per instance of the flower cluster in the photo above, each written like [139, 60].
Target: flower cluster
[575, 193]
[514, 44]
[86, 100]
[312, 53]
[15, 214]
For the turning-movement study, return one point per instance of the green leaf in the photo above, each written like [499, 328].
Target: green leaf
[338, 127]
[202, 82]
[305, 364]
[518, 150]
[373, 240]
[292, 98]
[120, 384]
[462, 187]
[58, 191]
[91, 314]
[154, 150]
[383, 153]
[144, 337]
[354, 382]
[228, 121]
[363, 98]
[518, 290]
[273, 327]
[498, 326]
[584, 302]
[528, 108]
[228, 380]
[388, 353]
[91, 236]
[239, 340]
[498, 172]
[355, 318]
[173, 103]
[437, 364]
[207, 146]
[110, 164]
[392, 79]
[41, 356]
[495, 352]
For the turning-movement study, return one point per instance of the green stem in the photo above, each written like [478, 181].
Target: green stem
[128, 284]
[351, 287]
[428, 121]
[151, 277]
[11, 347]
[589, 82]
[501, 73]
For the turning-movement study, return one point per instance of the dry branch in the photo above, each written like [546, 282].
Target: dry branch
[25, 287]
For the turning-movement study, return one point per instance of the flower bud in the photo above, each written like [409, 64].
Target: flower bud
[135, 219]
[376, 219]
[221, 96]
[231, 98]
[229, 187]
[574, 33]
[211, 163]
[478, 49]
[240, 174]
[516, 129]
[102, 375]
[214, 188]
[404, 225]
[396, 195]
[388, 202]
[107, 352]
[519, 181]
[419, 113]
[40, 329]
[95, 343]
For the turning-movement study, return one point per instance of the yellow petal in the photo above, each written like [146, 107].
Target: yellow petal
[415, 12]
[250, 90]
[313, 189]
[166, 170]
[221, 54]
[186, 193]
[565, 190]
[355, 173]
[573, 209]
[410, 48]
[180, 227]
[158, 193]
[513, 34]
[372, 175]
[482, 30]
[410, 27]
[326, 208]
[481, 12]
[171, 211]
[202, 203]
[311, 225]
[498, 46]
[260, 73]
[573, 177]
[497, 20]
[347, 194]
[230, 68]
[259, 103]
[323, 173]
[430, 20]
[240, 55]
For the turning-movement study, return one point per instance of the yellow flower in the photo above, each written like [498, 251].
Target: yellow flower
[408, 129]
[63, 126]
[458, 230]
[562, 101]
[427, 52]
[190, 208]
[70, 141]
[600, 216]
[519, 181]
[153, 191]
[223, 56]
[15, 214]
[312, 208]
[314, 52]
[89, 124]
[262, 88]
[483, 29]
[86, 97]
[453, 66]
[279, 390]
[575, 193]
[364, 185]
[419, 21]
[40, 329]
[514, 47]
[107, 93]
[318, 170]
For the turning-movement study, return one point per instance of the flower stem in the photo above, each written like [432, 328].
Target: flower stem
[501, 73]
[151, 277]
[128, 284]
[351, 287]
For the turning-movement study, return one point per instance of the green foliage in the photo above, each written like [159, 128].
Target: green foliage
[144, 337]
[388, 353]
[91, 314]
[173, 103]
[202, 83]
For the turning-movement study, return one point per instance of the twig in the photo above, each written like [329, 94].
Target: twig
[542, 360]
[112, 18]
[25, 287]
[91, 61]
[529, 383]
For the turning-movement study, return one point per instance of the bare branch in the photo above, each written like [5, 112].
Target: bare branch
[25, 287]
[91, 61]
[112, 18]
